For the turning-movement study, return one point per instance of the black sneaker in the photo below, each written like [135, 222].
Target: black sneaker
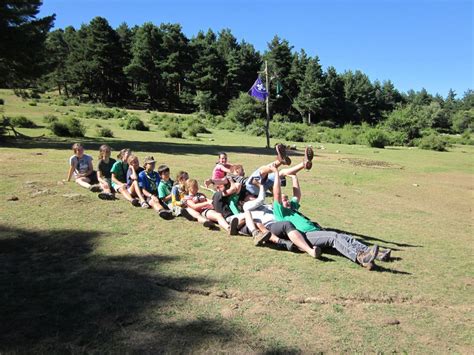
[135, 202]
[208, 224]
[384, 255]
[281, 154]
[233, 227]
[95, 188]
[366, 258]
[285, 244]
[260, 237]
[318, 252]
[106, 196]
[166, 214]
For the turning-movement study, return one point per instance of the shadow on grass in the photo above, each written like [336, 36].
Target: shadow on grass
[92, 144]
[57, 295]
[370, 239]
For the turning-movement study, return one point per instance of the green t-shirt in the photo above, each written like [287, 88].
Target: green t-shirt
[292, 215]
[120, 170]
[164, 188]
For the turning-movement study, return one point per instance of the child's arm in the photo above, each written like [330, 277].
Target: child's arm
[116, 181]
[133, 175]
[90, 168]
[296, 187]
[198, 205]
[69, 173]
[276, 185]
[225, 169]
[233, 189]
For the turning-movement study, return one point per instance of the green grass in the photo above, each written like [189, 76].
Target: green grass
[79, 274]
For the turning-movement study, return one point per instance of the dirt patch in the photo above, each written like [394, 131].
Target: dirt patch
[367, 163]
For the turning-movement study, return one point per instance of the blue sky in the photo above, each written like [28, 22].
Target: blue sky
[416, 44]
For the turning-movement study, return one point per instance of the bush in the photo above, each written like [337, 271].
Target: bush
[98, 114]
[466, 138]
[195, 128]
[50, 118]
[410, 120]
[134, 123]
[245, 109]
[33, 103]
[2, 102]
[22, 122]
[433, 142]
[376, 138]
[463, 120]
[256, 128]
[296, 134]
[69, 127]
[174, 131]
[104, 132]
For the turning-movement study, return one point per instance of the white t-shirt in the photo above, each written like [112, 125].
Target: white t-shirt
[82, 163]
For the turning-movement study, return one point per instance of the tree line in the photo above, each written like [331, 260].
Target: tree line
[160, 68]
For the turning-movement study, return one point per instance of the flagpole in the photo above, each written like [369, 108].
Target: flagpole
[267, 104]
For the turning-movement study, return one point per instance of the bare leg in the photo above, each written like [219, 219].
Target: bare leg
[135, 189]
[105, 187]
[84, 182]
[124, 192]
[292, 170]
[299, 241]
[217, 217]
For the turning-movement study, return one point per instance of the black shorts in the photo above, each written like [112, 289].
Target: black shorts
[281, 229]
[93, 178]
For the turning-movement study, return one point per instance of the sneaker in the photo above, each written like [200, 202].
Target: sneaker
[233, 227]
[208, 224]
[166, 214]
[317, 252]
[95, 188]
[366, 258]
[260, 237]
[106, 196]
[384, 255]
[285, 244]
[281, 154]
[308, 158]
[135, 202]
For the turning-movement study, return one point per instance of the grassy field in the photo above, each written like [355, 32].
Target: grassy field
[80, 274]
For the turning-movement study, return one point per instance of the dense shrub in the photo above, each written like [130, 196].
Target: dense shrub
[466, 138]
[410, 120]
[245, 109]
[2, 101]
[98, 114]
[256, 128]
[104, 132]
[195, 127]
[376, 138]
[50, 118]
[33, 103]
[296, 134]
[23, 122]
[174, 131]
[134, 123]
[433, 142]
[463, 120]
[228, 124]
[69, 127]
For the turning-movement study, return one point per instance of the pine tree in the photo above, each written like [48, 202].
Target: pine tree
[22, 39]
[335, 96]
[279, 58]
[57, 52]
[360, 101]
[311, 100]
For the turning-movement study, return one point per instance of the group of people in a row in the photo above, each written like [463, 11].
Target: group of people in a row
[237, 204]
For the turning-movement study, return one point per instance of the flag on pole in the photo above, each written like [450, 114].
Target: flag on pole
[258, 90]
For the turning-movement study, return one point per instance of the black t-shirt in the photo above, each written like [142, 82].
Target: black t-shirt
[105, 168]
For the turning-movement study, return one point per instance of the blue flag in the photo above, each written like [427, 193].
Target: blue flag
[258, 90]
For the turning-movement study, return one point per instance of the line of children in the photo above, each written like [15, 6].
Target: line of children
[237, 206]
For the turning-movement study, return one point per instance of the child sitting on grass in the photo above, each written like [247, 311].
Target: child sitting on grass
[134, 190]
[166, 184]
[178, 201]
[148, 181]
[119, 176]
[103, 173]
[220, 171]
[80, 165]
[201, 204]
